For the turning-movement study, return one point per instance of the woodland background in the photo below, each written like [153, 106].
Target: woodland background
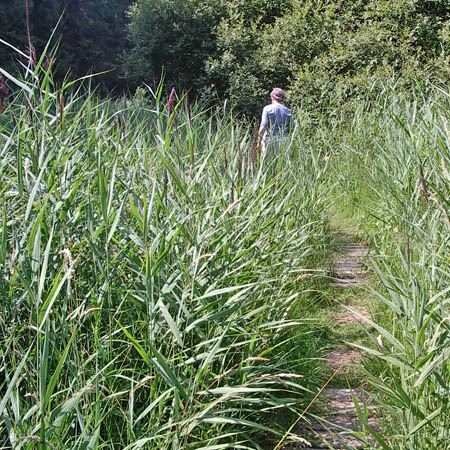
[322, 52]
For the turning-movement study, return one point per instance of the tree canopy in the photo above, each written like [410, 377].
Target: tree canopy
[322, 52]
[90, 35]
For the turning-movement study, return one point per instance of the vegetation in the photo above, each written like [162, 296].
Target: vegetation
[392, 165]
[157, 278]
[148, 264]
[325, 53]
[89, 35]
[171, 39]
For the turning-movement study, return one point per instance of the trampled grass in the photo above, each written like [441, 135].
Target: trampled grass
[392, 166]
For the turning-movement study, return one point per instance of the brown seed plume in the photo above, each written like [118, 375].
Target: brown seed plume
[61, 110]
[245, 169]
[172, 100]
[254, 151]
[239, 165]
[191, 169]
[166, 182]
[188, 105]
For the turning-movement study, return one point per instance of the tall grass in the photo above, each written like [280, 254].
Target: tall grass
[393, 165]
[148, 264]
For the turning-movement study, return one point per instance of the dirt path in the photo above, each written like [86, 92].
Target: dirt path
[338, 426]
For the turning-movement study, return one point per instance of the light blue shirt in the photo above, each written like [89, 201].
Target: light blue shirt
[277, 119]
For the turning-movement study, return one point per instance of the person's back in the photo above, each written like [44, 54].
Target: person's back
[277, 118]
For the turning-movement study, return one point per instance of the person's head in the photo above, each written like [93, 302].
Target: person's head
[278, 94]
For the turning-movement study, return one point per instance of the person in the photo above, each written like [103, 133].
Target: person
[276, 122]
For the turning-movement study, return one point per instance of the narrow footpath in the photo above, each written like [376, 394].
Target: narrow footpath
[337, 425]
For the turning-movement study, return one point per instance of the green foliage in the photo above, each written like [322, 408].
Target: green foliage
[148, 264]
[91, 35]
[322, 52]
[172, 37]
[329, 52]
[241, 70]
[390, 159]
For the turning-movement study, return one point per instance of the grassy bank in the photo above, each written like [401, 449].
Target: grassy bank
[158, 279]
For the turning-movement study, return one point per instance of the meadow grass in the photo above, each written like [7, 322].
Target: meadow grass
[158, 280]
[391, 168]
[149, 262]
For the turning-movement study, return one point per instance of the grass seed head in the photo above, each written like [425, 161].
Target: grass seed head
[254, 150]
[4, 90]
[70, 268]
[230, 207]
[166, 182]
[61, 110]
[380, 341]
[188, 105]
[225, 159]
[172, 100]
[245, 168]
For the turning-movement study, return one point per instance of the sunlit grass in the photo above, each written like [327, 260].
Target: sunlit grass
[152, 268]
[148, 264]
[392, 168]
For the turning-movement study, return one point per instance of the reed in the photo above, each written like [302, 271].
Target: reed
[394, 157]
[146, 273]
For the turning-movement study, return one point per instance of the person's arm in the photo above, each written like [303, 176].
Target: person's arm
[264, 126]
[261, 131]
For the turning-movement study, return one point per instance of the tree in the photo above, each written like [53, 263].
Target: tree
[323, 51]
[328, 51]
[91, 35]
[173, 37]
